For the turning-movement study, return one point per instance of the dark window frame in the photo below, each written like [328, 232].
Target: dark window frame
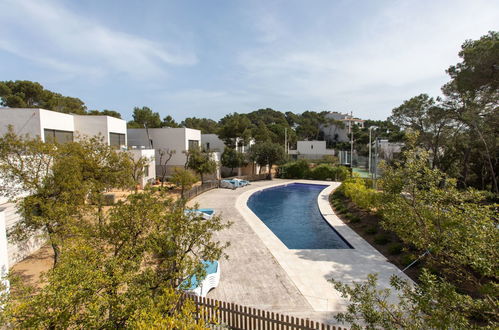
[52, 137]
[121, 139]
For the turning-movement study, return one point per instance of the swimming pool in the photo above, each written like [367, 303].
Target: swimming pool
[292, 213]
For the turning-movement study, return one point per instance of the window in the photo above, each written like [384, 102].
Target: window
[116, 140]
[193, 144]
[311, 146]
[57, 136]
[207, 145]
[146, 171]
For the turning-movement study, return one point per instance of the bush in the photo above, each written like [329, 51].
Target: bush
[395, 248]
[371, 230]
[355, 219]
[407, 259]
[381, 239]
[295, 170]
[364, 197]
[328, 172]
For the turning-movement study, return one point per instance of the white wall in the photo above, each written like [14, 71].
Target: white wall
[17, 251]
[312, 148]
[99, 125]
[4, 254]
[165, 138]
[91, 126]
[24, 121]
[116, 125]
[56, 120]
[150, 155]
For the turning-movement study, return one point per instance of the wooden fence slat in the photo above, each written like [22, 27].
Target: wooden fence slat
[242, 317]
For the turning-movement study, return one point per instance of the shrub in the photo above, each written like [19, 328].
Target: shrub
[381, 239]
[355, 219]
[371, 230]
[295, 170]
[348, 216]
[328, 172]
[364, 197]
[407, 259]
[395, 248]
[340, 173]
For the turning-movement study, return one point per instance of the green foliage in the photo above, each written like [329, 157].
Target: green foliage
[355, 219]
[200, 162]
[328, 172]
[295, 170]
[232, 159]
[60, 180]
[407, 259]
[395, 248]
[168, 121]
[356, 190]
[233, 127]
[371, 230]
[381, 239]
[267, 153]
[425, 208]
[110, 113]
[434, 304]
[206, 126]
[144, 117]
[122, 272]
[29, 94]
[184, 179]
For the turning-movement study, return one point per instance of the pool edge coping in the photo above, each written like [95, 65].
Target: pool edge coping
[287, 257]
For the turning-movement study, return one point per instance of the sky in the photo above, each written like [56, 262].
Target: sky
[210, 58]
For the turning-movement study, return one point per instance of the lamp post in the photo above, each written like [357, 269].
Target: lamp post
[370, 131]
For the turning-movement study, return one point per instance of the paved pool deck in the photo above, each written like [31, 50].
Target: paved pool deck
[262, 272]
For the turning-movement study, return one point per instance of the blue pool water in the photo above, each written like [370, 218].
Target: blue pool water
[292, 213]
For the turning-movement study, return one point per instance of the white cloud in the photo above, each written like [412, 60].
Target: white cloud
[48, 33]
[405, 48]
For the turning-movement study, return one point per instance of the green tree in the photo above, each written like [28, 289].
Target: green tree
[206, 126]
[472, 96]
[432, 121]
[168, 121]
[184, 179]
[267, 153]
[123, 275]
[29, 94]
[144, 117]
[52, 183]
[232, 159]
[434, 304]
[233, 127]
[105, 112]
[200, 162]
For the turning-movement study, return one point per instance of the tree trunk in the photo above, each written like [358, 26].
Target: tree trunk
[57, 254]
[55, 247]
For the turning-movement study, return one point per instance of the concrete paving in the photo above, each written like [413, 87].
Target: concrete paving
[263, 273]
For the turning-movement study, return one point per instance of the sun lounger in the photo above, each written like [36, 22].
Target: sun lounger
[205, 213]
[201, 288]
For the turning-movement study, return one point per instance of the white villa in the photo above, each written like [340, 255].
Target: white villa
[62, 127]
[166, 138]
[212, 142]
[336, 133]
[311, 150]
[59, 127]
